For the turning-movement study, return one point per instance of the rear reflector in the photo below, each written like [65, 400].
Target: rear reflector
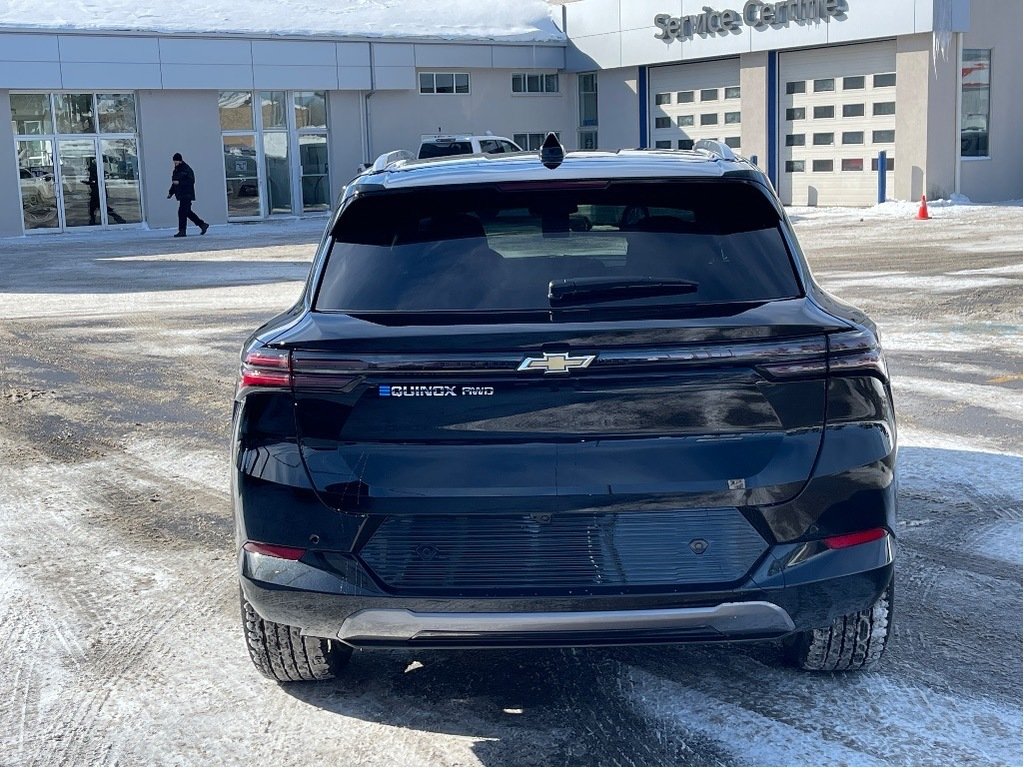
[266, 368]
[274, 550]
[853, 539]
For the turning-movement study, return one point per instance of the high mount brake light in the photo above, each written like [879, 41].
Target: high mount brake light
[855, 352]
[266, 368]
[853, 539]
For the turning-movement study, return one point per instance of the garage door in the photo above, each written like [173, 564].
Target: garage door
[695, 101]
[837, 110]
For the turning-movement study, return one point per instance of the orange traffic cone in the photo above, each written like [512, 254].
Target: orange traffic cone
[922, 212]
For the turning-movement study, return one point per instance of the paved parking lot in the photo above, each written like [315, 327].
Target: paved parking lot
[118, 601]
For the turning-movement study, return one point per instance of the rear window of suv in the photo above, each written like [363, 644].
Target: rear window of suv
[502, 249]
[445, 149]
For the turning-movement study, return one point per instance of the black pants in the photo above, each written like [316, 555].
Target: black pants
[186, 214]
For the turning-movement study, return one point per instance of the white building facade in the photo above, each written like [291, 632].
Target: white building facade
[817, 89]
[276, 125]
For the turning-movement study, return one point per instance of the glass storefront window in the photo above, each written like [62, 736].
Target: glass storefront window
[30, 114]
[121, 181]
[310, 109]
[273, 109]
[38, 190]
[975, 84]
[116, 112]
[235, 111]
[83, 171]
[277, 172]
[75, 113]
[315, 184]
[242, 176]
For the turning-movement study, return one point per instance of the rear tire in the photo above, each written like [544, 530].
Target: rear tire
[281, 653]
[852, 642]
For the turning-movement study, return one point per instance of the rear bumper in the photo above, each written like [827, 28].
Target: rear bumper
[388, 626]
[795, 588]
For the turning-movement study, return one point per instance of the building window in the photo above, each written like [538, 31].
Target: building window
[684, 97]
[709, 119]
[587, 139]
[663, 145]
[853, 137]
[444, 82]
[883, 108]
[663, 122]
[796, 113]
[732, 141]
[684, 121]
[709, 94]
[853, 110]
[885, 81]
[853, 164]
[794, 166]
[587, 87]
[824, 139]
[731, 118]
[826, 84]
[78, 160]
[890, 163]
[662, 98]
[684, 144]
[732, 92]
[532, 141]
[975, 84]
[819, 166]
[523, 82]
[883, 137]
[796, 86]
[275, 147]
[824, 112]
[853, 83]
[796, 140]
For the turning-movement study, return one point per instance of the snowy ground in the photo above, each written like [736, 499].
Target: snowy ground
[117, 597]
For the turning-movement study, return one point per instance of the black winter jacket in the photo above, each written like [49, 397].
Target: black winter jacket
[183, 182]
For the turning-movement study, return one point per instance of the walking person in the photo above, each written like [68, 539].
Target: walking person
[183, 187]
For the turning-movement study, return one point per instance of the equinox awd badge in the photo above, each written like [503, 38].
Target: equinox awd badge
[555, 362]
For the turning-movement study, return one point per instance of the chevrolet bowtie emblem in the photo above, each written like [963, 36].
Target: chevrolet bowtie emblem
[555, 363]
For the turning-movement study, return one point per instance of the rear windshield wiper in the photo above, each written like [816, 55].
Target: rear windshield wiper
[587, 290]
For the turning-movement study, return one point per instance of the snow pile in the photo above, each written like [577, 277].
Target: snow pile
[954, 206]
[519, 21]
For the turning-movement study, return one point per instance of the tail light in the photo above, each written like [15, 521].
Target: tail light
[266, 368]
[853, 539]
[856, 352]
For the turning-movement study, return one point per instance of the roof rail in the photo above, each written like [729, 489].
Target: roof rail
[716, 148]
[388, 158]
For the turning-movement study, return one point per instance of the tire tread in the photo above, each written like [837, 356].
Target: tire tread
[854, 641]
[281, 653]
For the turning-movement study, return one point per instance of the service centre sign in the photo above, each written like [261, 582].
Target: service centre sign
[755, 14]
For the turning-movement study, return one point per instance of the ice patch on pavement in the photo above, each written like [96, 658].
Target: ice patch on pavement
[889, 281]
[179, 462]
[789, 718]
[1001, 400]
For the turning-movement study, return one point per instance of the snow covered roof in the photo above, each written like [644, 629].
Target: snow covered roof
[497, 20]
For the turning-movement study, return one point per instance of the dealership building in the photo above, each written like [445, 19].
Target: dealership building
[833, 98]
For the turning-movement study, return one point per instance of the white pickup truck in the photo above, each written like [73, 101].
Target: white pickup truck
[443, 145]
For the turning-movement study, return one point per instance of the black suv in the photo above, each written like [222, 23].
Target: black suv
[555, 399]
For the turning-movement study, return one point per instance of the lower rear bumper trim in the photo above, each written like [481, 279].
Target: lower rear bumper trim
[376, 625]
